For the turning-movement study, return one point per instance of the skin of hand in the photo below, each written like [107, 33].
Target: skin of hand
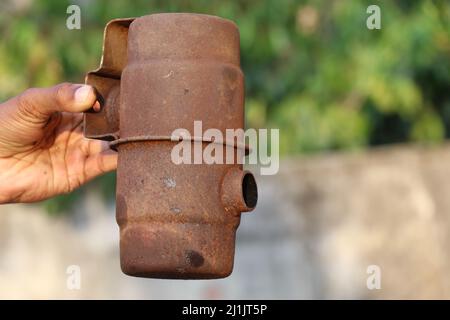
[42, 149]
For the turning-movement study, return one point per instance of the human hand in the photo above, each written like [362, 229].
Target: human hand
[42, 149]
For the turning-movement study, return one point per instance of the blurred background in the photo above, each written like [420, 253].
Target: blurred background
[364, 178]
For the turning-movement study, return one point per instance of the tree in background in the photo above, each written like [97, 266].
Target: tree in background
[312, 68]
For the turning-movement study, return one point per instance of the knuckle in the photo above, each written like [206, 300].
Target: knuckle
[101, 164]
[27, 109]
[61, 93]
[24, 100]
[73, 183]
[26, 96]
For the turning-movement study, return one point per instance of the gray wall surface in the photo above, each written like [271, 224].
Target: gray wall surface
[320, 222]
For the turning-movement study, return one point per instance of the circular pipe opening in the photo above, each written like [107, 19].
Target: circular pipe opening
[249, 190]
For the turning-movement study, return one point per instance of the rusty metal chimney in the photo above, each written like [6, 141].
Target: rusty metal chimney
[159, 73]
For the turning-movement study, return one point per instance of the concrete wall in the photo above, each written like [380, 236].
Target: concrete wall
[319, 224]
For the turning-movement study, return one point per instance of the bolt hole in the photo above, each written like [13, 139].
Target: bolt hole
[249, 190]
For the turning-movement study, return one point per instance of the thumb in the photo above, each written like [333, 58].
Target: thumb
[66, 97]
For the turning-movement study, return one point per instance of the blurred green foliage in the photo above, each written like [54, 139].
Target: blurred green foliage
[312, 68]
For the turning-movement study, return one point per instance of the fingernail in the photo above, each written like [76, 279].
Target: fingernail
[96, 106]
[82, 93]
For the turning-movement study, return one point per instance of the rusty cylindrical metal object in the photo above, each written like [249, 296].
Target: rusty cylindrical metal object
[159, 73]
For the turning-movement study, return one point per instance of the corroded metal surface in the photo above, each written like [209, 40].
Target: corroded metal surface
[160, 73]
[106, 79]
